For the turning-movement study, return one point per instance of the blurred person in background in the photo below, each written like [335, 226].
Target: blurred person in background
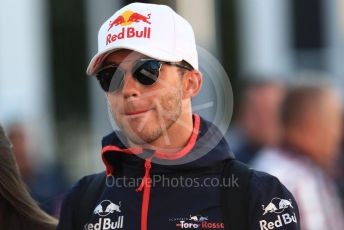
[340, 177]
[338, 170]
[46, 184]
[258, 124]
[18, 210]
[311, 118]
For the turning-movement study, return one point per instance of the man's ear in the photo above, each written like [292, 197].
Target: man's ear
[192, 83]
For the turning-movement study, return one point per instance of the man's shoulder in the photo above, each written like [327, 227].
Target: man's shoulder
[261, 180]
[264, 186]
[271, 204]
[79, 200]
[82, 185]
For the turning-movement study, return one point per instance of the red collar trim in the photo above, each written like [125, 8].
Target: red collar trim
[168, 156]
[117, 149]
[191, 143]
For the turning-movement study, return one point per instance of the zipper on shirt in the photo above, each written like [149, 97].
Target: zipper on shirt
[146, 186]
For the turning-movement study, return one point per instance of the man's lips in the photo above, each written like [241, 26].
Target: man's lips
[136, 112]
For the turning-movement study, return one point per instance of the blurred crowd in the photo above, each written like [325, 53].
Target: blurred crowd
[295, 132]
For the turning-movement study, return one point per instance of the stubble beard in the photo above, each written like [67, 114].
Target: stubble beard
[168, 111]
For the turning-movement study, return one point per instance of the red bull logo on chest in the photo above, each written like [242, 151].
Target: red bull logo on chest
[125, 20]
[106, 220]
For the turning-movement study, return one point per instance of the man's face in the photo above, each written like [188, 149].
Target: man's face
[261, 112]
[143, 112]
[320, 128]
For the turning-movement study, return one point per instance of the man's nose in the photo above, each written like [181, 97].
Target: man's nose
[130, 86]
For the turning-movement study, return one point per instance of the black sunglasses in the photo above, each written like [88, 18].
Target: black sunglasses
[145, 71]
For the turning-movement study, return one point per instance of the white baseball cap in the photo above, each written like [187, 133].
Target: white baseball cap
[153, 30]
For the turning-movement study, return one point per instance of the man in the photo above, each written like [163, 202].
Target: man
[159, 165]
[258, 124]
[311, 116]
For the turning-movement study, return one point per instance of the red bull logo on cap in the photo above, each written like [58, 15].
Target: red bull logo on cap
[126, 19]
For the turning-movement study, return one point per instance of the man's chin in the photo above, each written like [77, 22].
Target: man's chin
[142, 138]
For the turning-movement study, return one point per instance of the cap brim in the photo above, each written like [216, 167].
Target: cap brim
[158, 54]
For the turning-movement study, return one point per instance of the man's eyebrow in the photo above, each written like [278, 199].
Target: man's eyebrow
[106, 64]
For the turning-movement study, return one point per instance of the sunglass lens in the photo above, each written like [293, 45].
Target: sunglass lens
[147, 72]
[110, 79]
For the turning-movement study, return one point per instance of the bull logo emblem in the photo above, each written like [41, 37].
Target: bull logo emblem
[194, 218]
[269, 208]
[277, 205]
[113, 207]
[136, 17]
[106, 207]
[202, 218]
[119, 20]
[98, 209]
[127, 18]
[285, 204]
[198, 218]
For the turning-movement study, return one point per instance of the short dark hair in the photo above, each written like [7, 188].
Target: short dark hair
[182, 71]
